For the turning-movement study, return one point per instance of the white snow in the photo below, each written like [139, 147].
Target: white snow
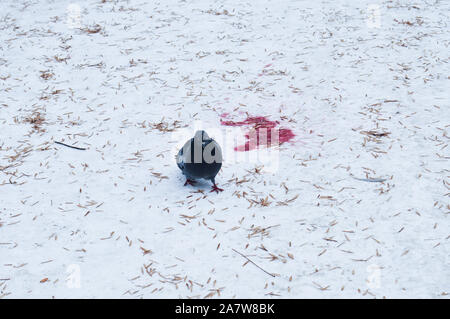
[115, 221]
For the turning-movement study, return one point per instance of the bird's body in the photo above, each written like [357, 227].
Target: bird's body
[200, 158]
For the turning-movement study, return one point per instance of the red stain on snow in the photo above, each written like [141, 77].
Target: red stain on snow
[260, 126]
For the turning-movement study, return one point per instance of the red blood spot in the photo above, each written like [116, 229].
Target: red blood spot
[260, 127]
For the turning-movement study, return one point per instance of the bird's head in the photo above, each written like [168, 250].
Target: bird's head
[201, 135]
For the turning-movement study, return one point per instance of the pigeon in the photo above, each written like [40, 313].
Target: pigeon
[200, 157]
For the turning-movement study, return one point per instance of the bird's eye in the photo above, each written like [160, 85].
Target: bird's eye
[213, 152]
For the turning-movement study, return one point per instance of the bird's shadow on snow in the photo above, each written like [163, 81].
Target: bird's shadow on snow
[199, 184]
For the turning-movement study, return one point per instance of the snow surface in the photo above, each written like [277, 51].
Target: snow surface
[364, 85]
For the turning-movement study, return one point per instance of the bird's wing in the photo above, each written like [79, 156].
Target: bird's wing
[183, 153]
[212, 153]
[180, 163]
